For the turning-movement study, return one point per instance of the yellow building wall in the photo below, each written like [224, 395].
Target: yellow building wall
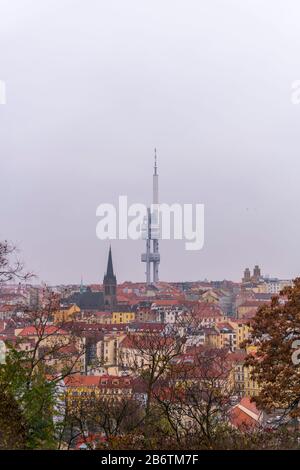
[122, 317]
[66, 314]
[242, 331]
[244, 383]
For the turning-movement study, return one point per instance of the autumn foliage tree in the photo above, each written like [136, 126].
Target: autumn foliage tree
[33, 366]
[152, 355]
[197, 397]
[275, 332]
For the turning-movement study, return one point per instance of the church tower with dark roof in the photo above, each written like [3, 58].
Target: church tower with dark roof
[110, 285]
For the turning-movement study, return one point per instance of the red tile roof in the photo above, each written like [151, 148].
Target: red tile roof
[144, 341]
[82, 381]
[245, 414]
[166, 302]
[237, 356]
[123, 299]
[240, 419]
[45, 330]
[7, 308]
[224, 325]
[99, 381]
[250, 405]
[206, 310]
[252, 303]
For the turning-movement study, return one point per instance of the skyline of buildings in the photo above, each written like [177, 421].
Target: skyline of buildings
[109, 320]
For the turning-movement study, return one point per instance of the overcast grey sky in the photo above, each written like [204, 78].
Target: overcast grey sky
[93, 86]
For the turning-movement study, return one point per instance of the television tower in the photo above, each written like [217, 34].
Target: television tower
[151, 232]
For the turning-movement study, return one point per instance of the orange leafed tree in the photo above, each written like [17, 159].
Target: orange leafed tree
[275, 330]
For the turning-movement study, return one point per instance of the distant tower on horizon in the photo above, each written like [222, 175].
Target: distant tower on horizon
[110, 285]
[256, 273]
[247, 275]
[256, 277]
[151, 232]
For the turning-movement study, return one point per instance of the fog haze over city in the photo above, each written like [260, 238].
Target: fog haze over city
[92, 87]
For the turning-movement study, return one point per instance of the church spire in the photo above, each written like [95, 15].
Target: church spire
[110, 284]
[110, 269]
